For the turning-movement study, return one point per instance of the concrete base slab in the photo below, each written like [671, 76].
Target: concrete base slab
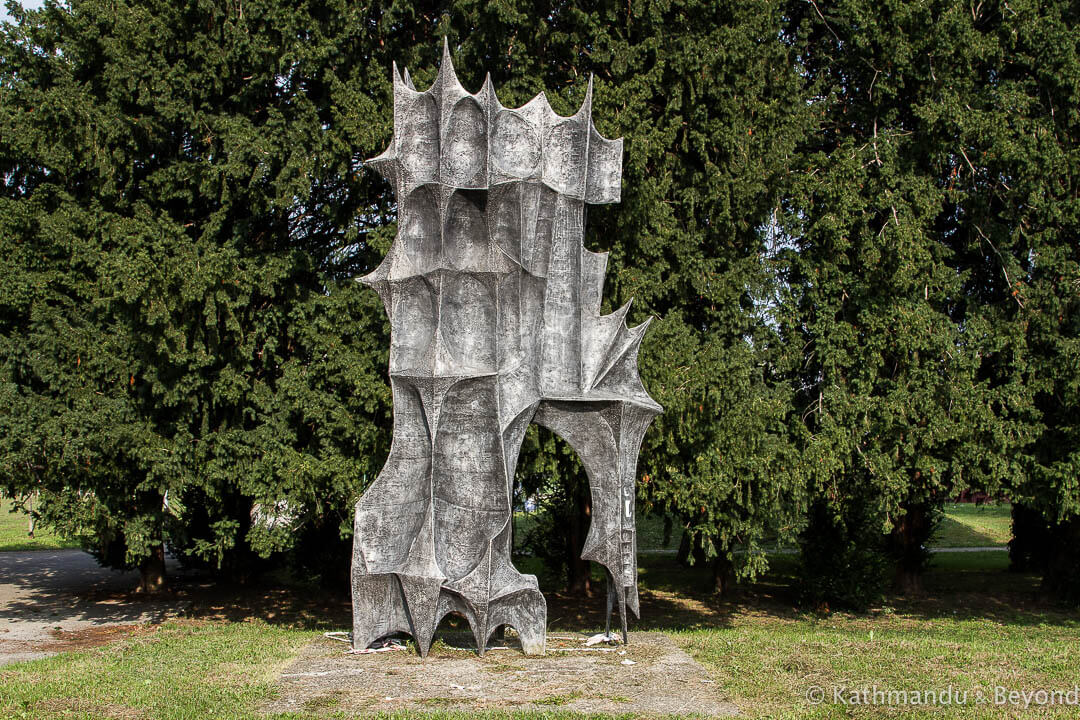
[651, 676]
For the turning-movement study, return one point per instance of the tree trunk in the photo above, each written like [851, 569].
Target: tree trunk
[578, 571]
[908, 536]
[907, 581]
[1031, 541]
[152, 571]
[723, 575]
[1062, 567]
[668, 526]
[688, 550]
[683, 555]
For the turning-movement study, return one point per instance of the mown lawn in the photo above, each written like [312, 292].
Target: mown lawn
[964, 525]
[971, 525]
[978, 627]
[13, 532]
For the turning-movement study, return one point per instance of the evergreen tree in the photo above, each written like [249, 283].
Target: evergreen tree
[708, 102]
[184, 192]
[934, 239]
[854, 222]
[182, 201]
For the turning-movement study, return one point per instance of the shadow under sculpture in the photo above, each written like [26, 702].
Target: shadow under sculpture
[494, 306]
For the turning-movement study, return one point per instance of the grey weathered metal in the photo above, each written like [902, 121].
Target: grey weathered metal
[494, 306]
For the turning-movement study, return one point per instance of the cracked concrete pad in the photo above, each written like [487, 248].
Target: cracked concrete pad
[650, 677]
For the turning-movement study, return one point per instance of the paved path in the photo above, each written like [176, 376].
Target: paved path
[56, 600]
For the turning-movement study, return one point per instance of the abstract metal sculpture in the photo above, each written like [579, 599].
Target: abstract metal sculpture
[494, 306]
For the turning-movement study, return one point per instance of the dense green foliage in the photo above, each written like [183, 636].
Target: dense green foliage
[180, 198]
[855, 222]
[934, 257]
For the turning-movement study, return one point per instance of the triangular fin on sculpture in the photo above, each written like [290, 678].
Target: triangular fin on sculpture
[386, 163]
[540, 105]
[403, 87]
[584, 113]
[595, 545]
[615, 340]
[422, 604]
[447, 78]
[377, 279]
[622, 377]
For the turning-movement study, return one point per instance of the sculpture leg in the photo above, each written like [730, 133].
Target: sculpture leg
[610, 603]
[607, 437]
[622, 614]
[526, 612]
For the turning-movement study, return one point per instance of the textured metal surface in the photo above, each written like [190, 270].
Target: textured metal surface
[494, 305]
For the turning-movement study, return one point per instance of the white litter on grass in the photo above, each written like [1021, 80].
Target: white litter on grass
[385, 646]
[601, 638]
[628, 662]
[339, 636]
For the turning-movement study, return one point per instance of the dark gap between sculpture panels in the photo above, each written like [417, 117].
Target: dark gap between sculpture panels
[494, 306]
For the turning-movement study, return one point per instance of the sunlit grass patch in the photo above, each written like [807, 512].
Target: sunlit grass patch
[185, 669]
[971, 525]
[14, 529]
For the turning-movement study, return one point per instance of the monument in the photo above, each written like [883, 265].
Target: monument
[494, 307]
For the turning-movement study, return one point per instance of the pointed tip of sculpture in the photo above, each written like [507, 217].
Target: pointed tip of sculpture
[586, 105]
[644, 325]
[447, 75]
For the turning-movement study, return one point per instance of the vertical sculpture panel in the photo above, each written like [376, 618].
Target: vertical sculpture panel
[494, 307]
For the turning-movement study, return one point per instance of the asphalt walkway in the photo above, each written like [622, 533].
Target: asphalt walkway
[55, 600]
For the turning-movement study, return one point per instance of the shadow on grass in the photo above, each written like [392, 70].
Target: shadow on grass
[957, 586]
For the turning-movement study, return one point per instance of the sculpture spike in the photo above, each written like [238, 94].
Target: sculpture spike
[447, 79]
[585, 111]
[488, 96]
[401, 83]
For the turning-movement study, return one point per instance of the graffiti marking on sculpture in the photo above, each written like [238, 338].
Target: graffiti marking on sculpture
[494, 306]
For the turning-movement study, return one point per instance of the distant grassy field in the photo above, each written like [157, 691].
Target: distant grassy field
[964, 525]
[977, 628]
[13, 532]
[970, 525]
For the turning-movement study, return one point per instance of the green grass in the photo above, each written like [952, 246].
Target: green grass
[180, 670]
[768, 666]
[978, 627]
[964, 525]
[970, 525]
[14, 537]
